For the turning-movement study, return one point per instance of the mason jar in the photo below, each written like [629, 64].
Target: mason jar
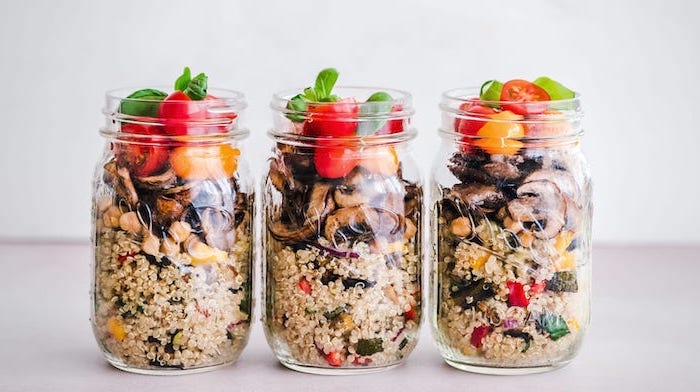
[173, 236]
[511, 235]
[342, 235]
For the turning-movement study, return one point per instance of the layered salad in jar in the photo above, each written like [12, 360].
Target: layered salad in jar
[512, 229]
[173, 232]
[343, 224]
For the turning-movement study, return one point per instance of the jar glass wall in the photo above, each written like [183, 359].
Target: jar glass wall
[342, 236]
[511, 235]
[173, 237]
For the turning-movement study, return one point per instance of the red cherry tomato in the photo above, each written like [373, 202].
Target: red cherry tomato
[392, 126]
[178, 110]
[334, 160]
[217, 108]
[139, 154]
[411, 314]
[473, 108]
[518, 90]
[332, 119]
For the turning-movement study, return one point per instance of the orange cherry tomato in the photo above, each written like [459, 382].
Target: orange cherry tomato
[497, 136]
[202, 162]
[381, 160]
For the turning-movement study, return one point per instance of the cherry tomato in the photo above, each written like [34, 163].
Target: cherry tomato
[178, 110]
[518, 90]
[473, 108]
[140, 155]
[497, 136]
[202, 162]
[550, 125]
[332, 119]
[334, 160]
[217, 108]
[394, 125]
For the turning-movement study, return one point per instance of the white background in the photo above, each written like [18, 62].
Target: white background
[635, 62]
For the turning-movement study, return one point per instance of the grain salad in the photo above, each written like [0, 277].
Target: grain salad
[511, 230]
[173, 230]
[342, 216]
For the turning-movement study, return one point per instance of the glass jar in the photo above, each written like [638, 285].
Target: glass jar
[342, 262]
[173, 237]
[511, 233]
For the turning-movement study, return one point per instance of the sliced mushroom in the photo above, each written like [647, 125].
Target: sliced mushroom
[479, 197]
[157, 182]
[277, 176]
[357, 190]
[540, 208]
[362, 223]
[563, 180]
[501, 170]
[319, 206]
[167, 210]
[125, 188]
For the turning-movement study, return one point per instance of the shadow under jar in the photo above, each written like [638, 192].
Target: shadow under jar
[511, 233]
[342, 255]
[173, 237]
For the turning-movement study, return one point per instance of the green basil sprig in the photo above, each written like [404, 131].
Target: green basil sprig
[195, 88]
[321, 92]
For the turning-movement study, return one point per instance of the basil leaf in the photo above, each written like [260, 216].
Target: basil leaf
[309, 94]
[140, 108]
[555, 89]
[491, 91]
[197, 88]
[298, 104]
[184, 80]
[377, 104]
[325, 81]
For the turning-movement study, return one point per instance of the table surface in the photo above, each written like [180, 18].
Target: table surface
[642, 337]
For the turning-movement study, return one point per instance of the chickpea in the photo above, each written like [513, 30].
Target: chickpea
[111, 216]
[169, 247]
[150, 244]
[410, 230]
[130, 222]
[179, 231]
[461, 227]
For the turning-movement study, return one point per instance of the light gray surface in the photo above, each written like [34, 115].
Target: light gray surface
[643, 338]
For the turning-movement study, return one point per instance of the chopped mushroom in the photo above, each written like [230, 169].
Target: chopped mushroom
[540, 208]
[484, 198]
[320, 205]
[362, 223]
[157, 182]
[125, 188]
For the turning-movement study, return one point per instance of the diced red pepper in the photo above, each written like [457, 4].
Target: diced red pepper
[411, 314]
[305, 286]
[123, 257]
[478, 335]
[516, 294]
[362, 361]
[334, 359]
[537, 288]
